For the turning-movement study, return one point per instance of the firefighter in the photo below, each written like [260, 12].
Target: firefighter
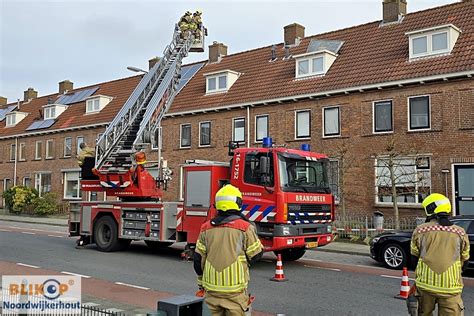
[442, 249]
[226, 246]
[86, 151]
[197, 23]
[185, 24]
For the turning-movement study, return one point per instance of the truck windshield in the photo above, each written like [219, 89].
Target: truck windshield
[301, 175]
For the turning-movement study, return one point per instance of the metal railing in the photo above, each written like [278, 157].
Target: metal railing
[361, 227]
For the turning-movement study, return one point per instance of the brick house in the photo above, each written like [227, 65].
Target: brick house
[403, 80]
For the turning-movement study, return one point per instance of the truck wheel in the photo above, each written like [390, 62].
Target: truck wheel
[106, 235]
[291, 254]
[157, 245]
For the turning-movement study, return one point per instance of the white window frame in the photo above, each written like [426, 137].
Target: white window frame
[48, 154]
[21, 157]
[64, 149]
[24, 180]
[429, 44]
[90, 105]
[181, 135]
[78, 148]
[233, 129]
[374, 117]
[311, 71]
[38, 155]
[338, 119]
[13, 152]
[38, 179]
[216, 77]
[296, 124]
[48, 115]
[268, 127]
[416, 202]
[210, 127]
[429, 114]
[65, 179]
[10, 120]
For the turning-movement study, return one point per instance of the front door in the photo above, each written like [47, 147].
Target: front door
[464, 189]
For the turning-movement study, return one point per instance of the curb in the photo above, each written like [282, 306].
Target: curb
[19, 220]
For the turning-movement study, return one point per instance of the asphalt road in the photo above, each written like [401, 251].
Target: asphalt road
[319, 284]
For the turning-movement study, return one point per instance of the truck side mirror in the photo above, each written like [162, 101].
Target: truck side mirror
[264, 165]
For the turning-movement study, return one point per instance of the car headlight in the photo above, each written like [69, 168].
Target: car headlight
[375, 239]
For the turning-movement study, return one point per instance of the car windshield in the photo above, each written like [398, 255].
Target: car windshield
[300, 175]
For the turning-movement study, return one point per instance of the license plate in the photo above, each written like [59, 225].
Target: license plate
[312, 244]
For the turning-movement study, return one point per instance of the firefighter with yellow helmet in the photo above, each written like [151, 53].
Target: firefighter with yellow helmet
[226, 246]
[442, 249]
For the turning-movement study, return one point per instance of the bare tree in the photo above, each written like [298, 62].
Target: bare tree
[400, 176]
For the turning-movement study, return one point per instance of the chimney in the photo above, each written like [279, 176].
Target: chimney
[292, 32]
[216, 51]
[65, 86]
[152, 62]
[3, 101]
[394, 10]
[29, 94]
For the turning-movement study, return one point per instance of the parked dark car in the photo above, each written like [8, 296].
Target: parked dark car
[393, 248]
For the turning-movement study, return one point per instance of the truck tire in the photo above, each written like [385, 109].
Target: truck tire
[157, 245]
[291, 254]
[106, 235]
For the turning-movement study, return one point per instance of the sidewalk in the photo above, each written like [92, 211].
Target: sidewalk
[337, 246]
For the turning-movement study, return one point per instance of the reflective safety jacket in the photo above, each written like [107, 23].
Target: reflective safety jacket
[442, 250]
[225, 251]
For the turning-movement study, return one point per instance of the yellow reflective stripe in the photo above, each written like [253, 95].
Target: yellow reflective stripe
[231, 279]
[201, 247]
[256, 245]
[447, 282]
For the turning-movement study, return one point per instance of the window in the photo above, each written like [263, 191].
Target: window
[79, 141]
[67, 147]
[333, 178]
[12, 152]
[71, 185]
[49, 149]
[419, 113]
[93, 105]
[49, 113]
[157, 140]
[432, 41]
[238, 130]
[27, 182]
[222, 82]
[38, 149]
[43, 183]
[11, 120]
[303, 124]
[331, 121]
[383, 119]
[211, 84]
[185, 136]
[21, 154]
[7, 184]
[252, 170]
[412, 179]
[303, 67]
[204, 133]
[310, 66]
[261, 127]
[217, 83]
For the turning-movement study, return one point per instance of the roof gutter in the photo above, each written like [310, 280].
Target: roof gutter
[49, 131]
[397, 83]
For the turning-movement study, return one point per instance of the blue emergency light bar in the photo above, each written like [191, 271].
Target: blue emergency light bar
[267, 142]
[305, 147]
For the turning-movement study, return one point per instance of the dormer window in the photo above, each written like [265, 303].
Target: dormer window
[318, 58]
[14, 118]
[432, 41]
[96, 103]
[52, 111]
[220, 81]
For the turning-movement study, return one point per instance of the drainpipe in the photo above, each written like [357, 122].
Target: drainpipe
[248, 126]
[16, 159]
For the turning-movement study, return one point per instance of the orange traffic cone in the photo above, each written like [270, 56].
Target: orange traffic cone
[405, 286]
[279, 275]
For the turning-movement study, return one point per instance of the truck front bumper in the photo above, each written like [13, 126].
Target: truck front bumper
[295, 236]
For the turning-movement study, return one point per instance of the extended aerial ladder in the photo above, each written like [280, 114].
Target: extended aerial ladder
[133, 129]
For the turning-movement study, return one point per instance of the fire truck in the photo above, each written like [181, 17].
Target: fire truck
[285, 191]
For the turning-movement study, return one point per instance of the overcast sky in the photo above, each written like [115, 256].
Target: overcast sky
[87, 42]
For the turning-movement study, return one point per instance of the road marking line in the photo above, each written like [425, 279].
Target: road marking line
[394, 277]
[55, 236]
[323, 268]
[14, 227]
[364, 266]
[44, 230]
[28, 233]
[76, 274]
[27, 265]
[5, 230]
[131, 285]
[316, 260]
